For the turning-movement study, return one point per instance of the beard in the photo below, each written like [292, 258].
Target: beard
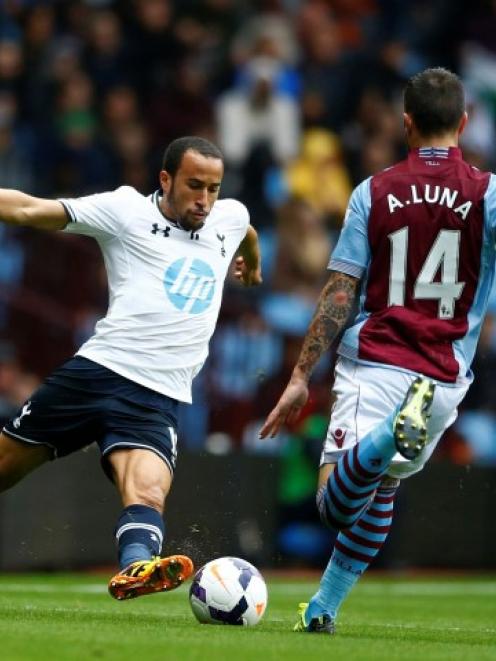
[185, 221]
[189, 224]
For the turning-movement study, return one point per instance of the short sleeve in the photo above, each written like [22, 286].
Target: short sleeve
[352, 252]
[100, 215]
[235, 216]
[490, 205]
[241, 216]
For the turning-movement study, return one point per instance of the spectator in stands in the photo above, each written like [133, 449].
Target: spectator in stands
[98, 85]
[302, 248]
[106, 59]
[320, 177]
[259, 130]
[183, 107]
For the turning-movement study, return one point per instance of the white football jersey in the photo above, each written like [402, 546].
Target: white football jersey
[165, 285]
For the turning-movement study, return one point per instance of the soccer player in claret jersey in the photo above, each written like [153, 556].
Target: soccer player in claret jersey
[167, 256]
[416, 255]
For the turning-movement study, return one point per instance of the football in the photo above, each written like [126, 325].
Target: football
[228, 591]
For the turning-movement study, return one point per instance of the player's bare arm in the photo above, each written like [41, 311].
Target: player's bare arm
[17, 208]
[335, 304]
[247, 265]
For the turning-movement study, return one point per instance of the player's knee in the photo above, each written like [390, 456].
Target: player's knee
[18, 459]
[325, 516]
[321, 506]
[329, 520]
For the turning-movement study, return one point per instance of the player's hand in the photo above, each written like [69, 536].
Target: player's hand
[287, 409]
[246, 275]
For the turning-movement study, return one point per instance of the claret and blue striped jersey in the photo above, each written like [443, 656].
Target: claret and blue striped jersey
[421, 235]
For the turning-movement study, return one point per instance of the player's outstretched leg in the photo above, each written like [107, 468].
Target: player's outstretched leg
[149, 576]
[410, 425]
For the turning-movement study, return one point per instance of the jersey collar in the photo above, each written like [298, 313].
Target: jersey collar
[156, 197]
[437, 152]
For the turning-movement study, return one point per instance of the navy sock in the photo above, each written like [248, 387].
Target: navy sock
[354, 550]
[139, 533]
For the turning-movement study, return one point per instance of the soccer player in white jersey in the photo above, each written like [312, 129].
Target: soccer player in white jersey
[416, 256]
[167, 256]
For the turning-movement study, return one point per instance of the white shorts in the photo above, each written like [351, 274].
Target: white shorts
[364, 395]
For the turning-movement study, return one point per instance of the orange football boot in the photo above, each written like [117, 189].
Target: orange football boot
[149, 576]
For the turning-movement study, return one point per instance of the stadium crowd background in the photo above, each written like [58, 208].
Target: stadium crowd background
[303, 97]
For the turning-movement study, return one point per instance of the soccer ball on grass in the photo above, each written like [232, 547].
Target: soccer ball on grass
[228, 591]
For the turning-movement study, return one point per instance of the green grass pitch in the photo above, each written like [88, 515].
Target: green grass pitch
[70, 617]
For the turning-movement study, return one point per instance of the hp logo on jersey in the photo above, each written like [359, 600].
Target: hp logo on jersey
[190, 285]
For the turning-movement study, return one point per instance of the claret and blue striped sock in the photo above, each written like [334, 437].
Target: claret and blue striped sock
[354, 550]
[356, 476]
[139, 533]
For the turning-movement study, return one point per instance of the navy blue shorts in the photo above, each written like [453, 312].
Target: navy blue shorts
[82, 402]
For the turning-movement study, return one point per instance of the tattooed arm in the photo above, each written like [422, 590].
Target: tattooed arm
[333, 309]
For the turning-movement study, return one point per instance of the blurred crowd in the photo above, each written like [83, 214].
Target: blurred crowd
[303, 97]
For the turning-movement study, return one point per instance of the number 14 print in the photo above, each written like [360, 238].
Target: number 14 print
[444, 255]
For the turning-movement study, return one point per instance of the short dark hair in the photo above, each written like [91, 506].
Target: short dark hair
[435, 100]
[174, 153]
